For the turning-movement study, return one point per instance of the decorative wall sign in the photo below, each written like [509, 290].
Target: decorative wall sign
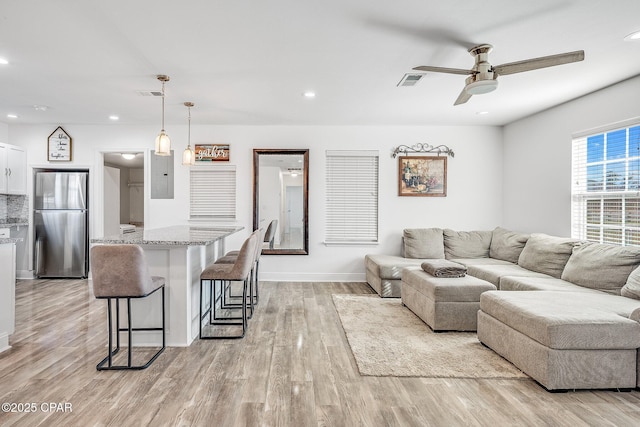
[422, 176]
[206, 153]
[59, 147]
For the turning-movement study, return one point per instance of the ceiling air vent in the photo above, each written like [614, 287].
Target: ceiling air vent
[410, 79]
[149, 93]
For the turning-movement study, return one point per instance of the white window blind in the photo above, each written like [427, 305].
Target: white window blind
[605, 194]
[213, 193]
[352, 197]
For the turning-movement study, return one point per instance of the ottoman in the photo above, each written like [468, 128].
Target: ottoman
[445, 304]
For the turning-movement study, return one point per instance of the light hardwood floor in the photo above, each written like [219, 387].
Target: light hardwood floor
[294, 368]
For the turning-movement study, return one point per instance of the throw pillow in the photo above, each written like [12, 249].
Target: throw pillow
[546, 254]
[423, 243]
[507, 245]
[600, 266]
[631, 289]
[466, 244]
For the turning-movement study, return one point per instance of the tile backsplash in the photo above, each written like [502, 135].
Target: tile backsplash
[13, 208]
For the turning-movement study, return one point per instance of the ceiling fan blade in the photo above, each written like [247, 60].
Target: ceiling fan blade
[463, 97]
[445, 70]
[537, 63]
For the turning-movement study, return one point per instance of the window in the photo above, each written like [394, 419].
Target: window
[605, 194]
[352, 197]
[213, 193]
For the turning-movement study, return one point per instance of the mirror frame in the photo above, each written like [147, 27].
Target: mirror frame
[305, 193]
[305, 189]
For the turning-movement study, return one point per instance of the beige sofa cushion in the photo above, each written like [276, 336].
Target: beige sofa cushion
[389, 266]
[601, 266]
[466, 244]
[423, 243]
[523, 283]
[567, 320]
[546, 254]
[507, 245]
[631, 289]
[494, 272]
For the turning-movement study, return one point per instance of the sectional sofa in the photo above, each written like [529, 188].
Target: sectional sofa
[565, 312]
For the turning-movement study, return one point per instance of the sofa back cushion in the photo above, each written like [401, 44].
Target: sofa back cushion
[631, 288]
[507, 245]
[546, 254]
[423, 243]
[466, 244]
[600, 266]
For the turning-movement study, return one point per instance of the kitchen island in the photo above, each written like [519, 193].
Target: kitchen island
[7, 290]
[179, 254]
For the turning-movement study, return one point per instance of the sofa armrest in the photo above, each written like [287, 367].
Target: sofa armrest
[635, 315]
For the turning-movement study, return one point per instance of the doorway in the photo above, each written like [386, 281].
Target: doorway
[123, 192]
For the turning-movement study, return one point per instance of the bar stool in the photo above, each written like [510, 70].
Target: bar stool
[121, 272]
[219, 273]
[270, 235]
[230, 258]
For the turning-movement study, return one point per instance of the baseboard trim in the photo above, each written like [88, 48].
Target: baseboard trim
[4, 342]
[24, 274]
[311, 277]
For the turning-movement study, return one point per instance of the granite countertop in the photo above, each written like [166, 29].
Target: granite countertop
[178, 235]
[13, 222]
[9, 240]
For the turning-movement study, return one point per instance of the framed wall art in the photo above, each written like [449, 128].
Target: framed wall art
[207, 153]
[59, 146]
[422, 176]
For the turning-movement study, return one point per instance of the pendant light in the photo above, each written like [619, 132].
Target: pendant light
[189, 156]
[163, 143]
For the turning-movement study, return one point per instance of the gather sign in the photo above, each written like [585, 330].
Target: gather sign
[212, 152]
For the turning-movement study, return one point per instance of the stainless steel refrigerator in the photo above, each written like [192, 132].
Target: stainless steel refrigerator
[61, 222]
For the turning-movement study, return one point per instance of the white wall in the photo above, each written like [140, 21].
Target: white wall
[537, 156]
[136, 196]
[4, 133]
[111, 203]
[474, 188]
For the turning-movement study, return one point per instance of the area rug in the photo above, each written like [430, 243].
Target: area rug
[387, 339]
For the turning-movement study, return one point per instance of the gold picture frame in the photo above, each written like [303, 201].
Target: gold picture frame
[420, 176]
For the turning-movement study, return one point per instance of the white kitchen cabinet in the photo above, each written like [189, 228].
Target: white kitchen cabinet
[13, 169]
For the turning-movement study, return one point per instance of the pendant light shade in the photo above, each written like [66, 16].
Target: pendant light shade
[163, 143]
[189, 156]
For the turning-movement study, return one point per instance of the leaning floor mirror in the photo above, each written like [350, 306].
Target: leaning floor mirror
[280, 200]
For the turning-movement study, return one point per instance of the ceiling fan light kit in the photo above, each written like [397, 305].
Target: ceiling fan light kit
[482, 78]
[481, 86]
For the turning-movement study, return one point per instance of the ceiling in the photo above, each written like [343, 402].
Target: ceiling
[248, 62]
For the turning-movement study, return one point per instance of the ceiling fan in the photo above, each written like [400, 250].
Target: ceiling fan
[483, 76]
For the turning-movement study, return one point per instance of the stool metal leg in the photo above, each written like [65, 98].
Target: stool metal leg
[222, 321]
[129, 329]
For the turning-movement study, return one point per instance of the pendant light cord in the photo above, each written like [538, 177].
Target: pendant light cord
[163, 106]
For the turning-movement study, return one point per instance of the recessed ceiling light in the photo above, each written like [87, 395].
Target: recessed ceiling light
[482, 113]
[309, 94]
[114, 118]
[3, 61]
[128, 156]
[40, 107]
[633, 36]
[12, 116]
